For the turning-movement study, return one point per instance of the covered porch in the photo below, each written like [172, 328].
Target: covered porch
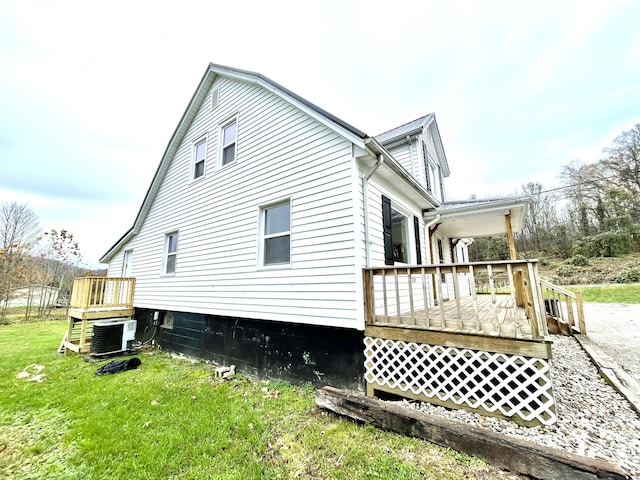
[468, 335]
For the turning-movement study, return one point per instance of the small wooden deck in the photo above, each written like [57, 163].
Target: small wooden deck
[94, 299]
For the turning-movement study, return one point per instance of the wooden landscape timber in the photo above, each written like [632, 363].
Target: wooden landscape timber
[505, 452]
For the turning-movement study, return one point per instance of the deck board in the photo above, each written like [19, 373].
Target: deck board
[502, 318]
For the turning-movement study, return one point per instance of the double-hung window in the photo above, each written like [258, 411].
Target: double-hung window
[170, 253]
[199, 155]
[276, 234]
[229, 136]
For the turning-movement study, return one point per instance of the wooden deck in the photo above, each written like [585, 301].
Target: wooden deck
[496, 315]
[94, 299]
[447, 298]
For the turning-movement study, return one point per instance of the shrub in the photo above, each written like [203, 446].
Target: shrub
[630, 274]
[565, 271]
[605, 244]
[578, 261]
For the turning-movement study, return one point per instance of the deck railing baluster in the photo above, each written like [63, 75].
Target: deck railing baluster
[456, 293]
[425, 298]
[384, 296]
[398, 313]
[411, 304]
[440, 296]
[474, 296]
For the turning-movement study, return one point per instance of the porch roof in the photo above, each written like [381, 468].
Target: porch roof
[478, 218]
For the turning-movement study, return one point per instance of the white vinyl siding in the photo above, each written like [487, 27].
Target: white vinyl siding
[403, 153]
[281, 152]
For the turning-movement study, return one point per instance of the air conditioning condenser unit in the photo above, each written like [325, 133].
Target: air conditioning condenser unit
[112, 336]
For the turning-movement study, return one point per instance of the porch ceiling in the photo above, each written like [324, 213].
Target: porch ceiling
[480, 218]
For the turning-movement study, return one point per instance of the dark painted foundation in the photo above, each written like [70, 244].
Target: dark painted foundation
[296, 353]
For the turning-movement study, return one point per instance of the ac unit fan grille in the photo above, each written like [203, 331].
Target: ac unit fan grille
[107, 338]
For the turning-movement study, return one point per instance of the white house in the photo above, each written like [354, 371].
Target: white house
[252, 238]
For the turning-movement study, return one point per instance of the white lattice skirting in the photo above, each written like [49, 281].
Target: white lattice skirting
[495, 384]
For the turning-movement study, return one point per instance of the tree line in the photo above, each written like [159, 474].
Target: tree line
[594, 213]
[36, 268]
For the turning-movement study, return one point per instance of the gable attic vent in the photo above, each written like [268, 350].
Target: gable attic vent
[214, 98]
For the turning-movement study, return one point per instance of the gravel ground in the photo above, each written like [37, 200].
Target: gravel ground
[593, 419]
[615, 328]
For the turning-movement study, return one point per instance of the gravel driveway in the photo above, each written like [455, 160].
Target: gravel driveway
[615, 328]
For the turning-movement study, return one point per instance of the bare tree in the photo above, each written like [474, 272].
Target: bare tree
[541, 219]
[61, 259]
[19, 230]
[621, 165]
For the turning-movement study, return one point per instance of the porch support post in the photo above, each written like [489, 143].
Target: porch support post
[512, 243]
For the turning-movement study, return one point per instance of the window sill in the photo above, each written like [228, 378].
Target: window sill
[279, 266]
[226, 165]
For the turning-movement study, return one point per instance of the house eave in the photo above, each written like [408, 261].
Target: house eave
[481, 219]
[106, 258]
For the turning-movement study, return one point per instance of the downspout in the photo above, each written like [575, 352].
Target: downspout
[365, 193]
[427, 227]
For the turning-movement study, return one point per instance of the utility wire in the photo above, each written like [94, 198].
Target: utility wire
[575, 185]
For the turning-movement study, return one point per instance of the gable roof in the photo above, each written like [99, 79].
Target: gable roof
[212, 72]
[409, 128]
[346, 130]
[416, 127]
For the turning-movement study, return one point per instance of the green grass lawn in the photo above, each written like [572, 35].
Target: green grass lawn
[170, 419]
[623, 293]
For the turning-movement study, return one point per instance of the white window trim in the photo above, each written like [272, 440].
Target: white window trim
[221, 146]
[261, 236]
[194, 145]
[165, 253]
[411, 253]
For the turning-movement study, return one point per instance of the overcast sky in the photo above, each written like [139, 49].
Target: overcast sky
[90, 92]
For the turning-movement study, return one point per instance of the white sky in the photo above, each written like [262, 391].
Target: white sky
[90, 92]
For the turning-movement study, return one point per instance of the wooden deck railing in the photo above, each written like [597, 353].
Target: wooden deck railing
[563, 306]
[445, 297]
[102, 292]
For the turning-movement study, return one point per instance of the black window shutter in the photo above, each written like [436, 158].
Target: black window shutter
[425, 155]
[386, 231]
[416, 233]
